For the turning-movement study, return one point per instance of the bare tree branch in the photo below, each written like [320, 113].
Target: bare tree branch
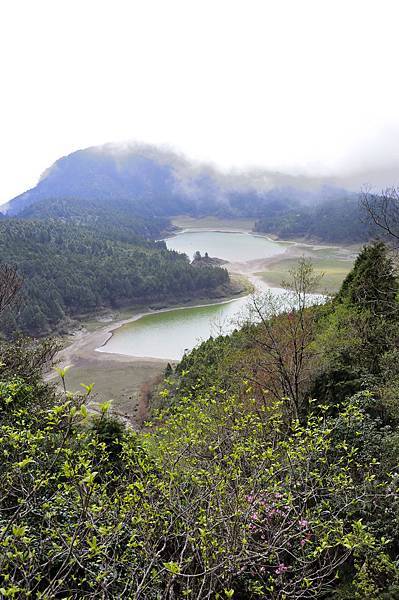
[10, 284]
[382, 211]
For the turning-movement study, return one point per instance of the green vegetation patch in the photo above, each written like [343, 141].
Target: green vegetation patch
[210, 222]
[333, 272]
[269, 470]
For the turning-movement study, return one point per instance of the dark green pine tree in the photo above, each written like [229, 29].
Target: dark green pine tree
[372, 284]
[367, 326]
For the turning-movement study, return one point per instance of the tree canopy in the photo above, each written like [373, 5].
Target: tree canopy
[72, 268]
[228, 492]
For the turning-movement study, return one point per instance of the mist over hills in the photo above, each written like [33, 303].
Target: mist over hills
[165, 183]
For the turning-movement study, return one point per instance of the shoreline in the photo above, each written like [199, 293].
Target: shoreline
[219, 227]
[127, 379]
[82, 343]
[119, 324]
[249, 270]
[130, 379]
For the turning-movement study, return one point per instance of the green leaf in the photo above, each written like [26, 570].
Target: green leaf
[172, 567]
[62, 372]
[88, 388]
[105, 406]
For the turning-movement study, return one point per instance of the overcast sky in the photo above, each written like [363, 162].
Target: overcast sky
[297, 85]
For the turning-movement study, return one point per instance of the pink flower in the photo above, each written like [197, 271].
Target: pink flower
[304, 523]
[254, 516]
[281, 569]
[303, 542]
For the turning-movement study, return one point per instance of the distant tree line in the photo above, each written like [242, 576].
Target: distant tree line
[333, 220]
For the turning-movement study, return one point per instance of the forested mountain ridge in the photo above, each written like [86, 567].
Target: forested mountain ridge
[333, 220]
[117, 219]
[107, 173]
[164, 184]
[80, 265]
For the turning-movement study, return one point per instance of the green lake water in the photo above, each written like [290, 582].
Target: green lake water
[168, 334]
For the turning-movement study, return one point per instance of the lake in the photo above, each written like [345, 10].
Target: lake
[234, 247]
[168, 334]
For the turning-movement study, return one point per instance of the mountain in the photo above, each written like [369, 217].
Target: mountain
[100, 216]
[98, 173]
[144, 182]
[163, 183]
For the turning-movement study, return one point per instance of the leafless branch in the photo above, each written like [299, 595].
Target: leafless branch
[10, 284]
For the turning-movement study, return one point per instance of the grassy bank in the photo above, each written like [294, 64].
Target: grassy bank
[332, 271]
[215, 223]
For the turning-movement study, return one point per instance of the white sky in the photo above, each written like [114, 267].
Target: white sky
[297, 85]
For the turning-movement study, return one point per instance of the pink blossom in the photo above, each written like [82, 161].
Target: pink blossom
[281, 569]
[304, 523]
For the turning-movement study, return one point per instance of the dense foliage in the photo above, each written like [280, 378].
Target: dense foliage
[332, 220]
[237, 490]
[119, 219]
[81, 264]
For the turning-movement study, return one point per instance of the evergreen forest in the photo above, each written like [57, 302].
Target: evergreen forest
[77, 259]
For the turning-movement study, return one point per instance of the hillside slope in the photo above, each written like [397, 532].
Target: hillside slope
[161, 183]
[73, 268]
[240, 487]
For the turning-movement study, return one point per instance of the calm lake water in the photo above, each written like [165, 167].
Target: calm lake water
[234, 247]
[168, 334]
